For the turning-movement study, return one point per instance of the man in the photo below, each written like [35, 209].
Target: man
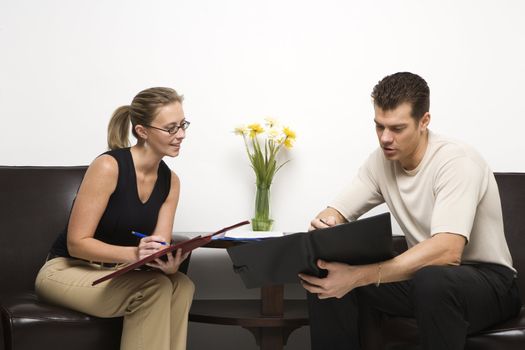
[457, 276]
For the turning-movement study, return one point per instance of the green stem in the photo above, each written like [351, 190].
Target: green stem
[262, 203]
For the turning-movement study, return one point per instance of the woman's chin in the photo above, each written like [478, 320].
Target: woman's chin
[173, 152]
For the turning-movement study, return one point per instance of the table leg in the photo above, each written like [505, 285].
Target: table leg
[271, 338]
[272, 305]
[272, 301]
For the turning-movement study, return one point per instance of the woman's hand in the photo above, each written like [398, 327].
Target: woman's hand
[172, 265]
[149, 245]
[152, 244]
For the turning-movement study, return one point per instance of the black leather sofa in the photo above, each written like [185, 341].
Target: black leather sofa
[34, 206]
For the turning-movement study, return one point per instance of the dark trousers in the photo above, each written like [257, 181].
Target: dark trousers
[448, 302]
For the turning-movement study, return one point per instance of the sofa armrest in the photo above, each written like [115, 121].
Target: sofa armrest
[2, 335]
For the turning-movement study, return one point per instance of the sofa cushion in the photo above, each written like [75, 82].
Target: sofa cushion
[30, 323]
[402, 333]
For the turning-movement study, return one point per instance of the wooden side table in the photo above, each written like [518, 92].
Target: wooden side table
[271, 319]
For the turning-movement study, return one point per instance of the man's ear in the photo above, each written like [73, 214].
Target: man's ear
[424, 121]
[141, 131]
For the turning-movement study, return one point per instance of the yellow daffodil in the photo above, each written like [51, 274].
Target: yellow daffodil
[290, 134]
[255, 129]
[241, 130]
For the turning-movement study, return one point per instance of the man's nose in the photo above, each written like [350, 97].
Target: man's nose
[386, 136]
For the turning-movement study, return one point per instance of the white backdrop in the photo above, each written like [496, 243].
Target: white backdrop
[66, 65]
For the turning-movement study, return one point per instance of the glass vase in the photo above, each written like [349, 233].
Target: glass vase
[262, 221]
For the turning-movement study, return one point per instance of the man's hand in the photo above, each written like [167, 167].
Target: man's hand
[341, 279]
[326, 218]
[322, 223]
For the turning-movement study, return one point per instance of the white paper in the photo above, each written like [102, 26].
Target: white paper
[252, 234]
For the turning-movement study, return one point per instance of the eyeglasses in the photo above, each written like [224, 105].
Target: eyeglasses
[174, 129]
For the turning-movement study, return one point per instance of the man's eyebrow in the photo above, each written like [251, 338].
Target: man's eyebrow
[402, 125]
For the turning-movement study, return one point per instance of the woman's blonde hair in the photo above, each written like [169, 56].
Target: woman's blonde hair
[143, 110]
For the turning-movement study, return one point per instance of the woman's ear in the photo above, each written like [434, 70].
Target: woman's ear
[141, 131]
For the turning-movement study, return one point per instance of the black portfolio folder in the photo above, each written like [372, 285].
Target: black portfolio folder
[279, 260]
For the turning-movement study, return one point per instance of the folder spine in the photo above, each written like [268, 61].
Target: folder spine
[311, 256]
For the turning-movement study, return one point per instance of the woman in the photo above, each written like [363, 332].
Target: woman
[127, 189]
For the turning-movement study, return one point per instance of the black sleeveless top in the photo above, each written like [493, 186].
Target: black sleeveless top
[125, 212]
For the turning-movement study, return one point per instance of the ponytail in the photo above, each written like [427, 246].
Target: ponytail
[118, 128]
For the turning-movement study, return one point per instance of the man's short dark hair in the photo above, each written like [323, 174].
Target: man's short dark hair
[396, 89]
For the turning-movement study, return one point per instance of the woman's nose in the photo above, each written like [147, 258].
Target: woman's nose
[180, 134]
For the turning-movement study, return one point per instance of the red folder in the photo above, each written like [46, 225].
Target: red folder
[186, 246]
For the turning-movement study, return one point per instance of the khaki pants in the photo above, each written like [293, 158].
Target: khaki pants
[155, 306]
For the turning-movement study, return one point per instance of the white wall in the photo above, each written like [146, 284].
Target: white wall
[66, 65]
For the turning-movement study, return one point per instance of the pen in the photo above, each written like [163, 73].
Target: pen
[324, 222]
[141, 235]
